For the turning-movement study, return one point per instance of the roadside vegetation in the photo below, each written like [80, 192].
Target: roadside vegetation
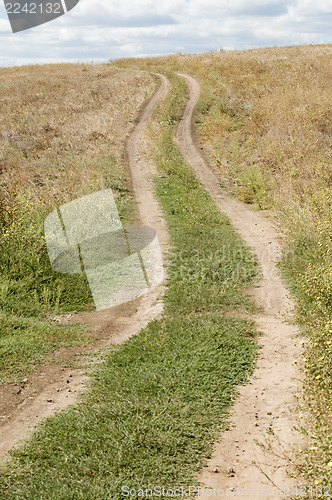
[62, 135]
[264, 121]
[158, 401]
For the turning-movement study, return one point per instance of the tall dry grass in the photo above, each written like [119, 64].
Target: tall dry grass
[58, 124]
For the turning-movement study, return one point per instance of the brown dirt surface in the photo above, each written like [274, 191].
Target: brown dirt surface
[256, 451]
[54, 386]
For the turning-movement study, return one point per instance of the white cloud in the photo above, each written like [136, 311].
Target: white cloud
[100, 30]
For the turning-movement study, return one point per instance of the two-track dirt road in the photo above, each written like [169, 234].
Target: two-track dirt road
[263, 407]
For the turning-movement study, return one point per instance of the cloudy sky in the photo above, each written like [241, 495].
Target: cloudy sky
[99, 30]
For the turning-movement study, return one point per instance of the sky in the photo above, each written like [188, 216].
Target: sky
[100, 30]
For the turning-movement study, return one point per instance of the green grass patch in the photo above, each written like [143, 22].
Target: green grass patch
[26, 342]
[210, 264]
[159, 400]
[148, 419]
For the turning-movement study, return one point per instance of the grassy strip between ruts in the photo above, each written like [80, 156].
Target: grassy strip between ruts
[159, 400]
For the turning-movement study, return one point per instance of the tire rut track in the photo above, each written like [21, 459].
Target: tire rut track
[264, 404]
[262, 412]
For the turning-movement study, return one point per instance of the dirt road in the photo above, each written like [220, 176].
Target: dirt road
[51, 387]
[262, 412]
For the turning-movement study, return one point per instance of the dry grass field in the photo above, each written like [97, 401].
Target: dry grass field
[60, 125]
[265, 119]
